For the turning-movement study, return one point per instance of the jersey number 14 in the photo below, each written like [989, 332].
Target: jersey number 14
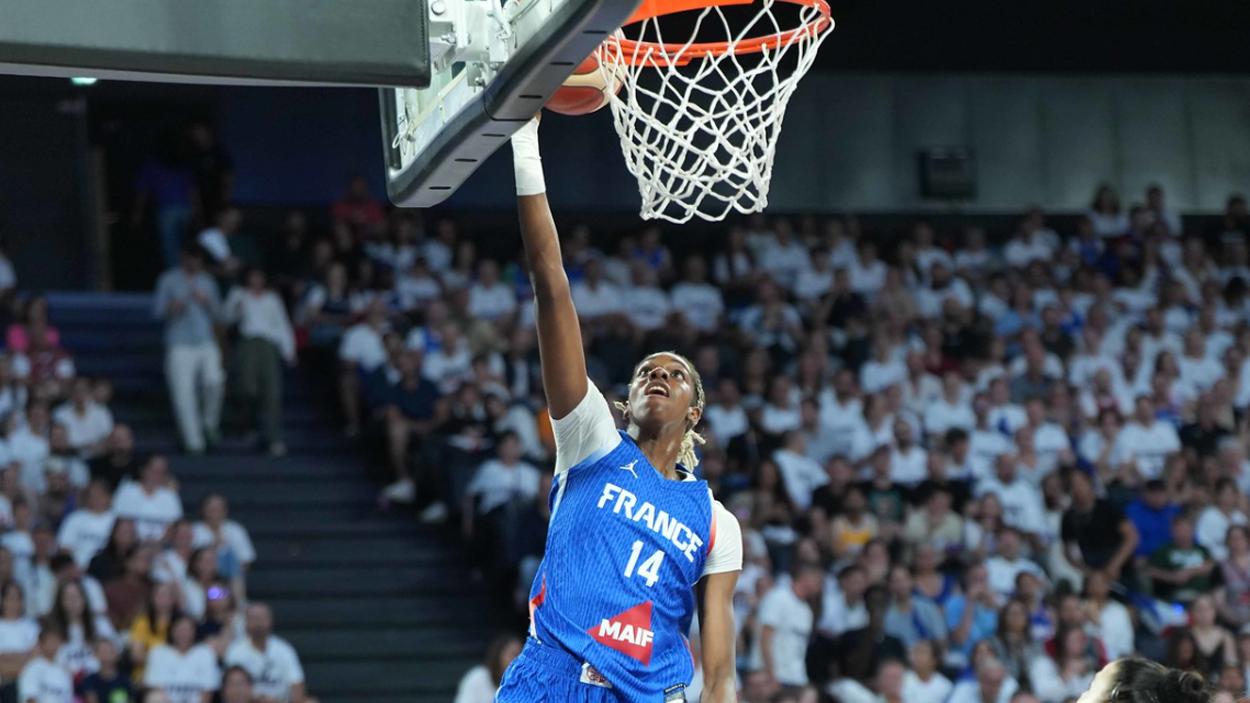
[649, 570]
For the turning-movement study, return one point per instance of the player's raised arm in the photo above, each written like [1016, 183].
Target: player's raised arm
[559, 333]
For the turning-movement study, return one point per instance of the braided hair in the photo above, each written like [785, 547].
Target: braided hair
[685, 455]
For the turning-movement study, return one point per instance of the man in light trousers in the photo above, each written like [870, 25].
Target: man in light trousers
[188, 301]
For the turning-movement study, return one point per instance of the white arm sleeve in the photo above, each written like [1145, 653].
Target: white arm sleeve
[726, 554]
[587, 431]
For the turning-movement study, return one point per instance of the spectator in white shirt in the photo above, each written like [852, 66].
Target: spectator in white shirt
[185, 671]
[781, 413]
[1021, 501]
[272, 662]
[478, 685]
[726, 418]
[841, 411]
[596, 297]
[500, 481]
[950, 410]
[266, 342]
[85, 531]
[909, 463]
[1105, 214]
[783, 257]
[1198, 369]
[800, 474]
[868, 274]
[88, 422]
[991, 685]
[18, 633]
[490, 298]
[360, 351]
[1155, 202]
[647, 305]
[42, 680]
[700, 302]
[815, 281]
[150, 502]
[1008, 563]
[1211, 529]
[235, 553]
[784, 625]
[1146, 441]
[931, 301]
[923, 683]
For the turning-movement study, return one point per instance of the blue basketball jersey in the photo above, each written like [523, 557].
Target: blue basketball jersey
[625, 548]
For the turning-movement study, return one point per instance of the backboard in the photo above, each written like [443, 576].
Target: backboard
[492, 68]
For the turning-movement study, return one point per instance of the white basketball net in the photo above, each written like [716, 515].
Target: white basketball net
[701, 138]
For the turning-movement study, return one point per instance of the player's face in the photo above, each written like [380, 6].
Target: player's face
[662, 391]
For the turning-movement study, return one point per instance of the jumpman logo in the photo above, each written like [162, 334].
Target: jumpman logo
[630, 468]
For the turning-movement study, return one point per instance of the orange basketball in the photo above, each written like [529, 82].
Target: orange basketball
[585, 91]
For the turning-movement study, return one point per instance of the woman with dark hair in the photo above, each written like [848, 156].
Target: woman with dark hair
[478, 684]
[1013, 643]
[1215, 643]
[18, 633]
[151, 628]
[1070, 672]
[34, 323]
[1233, 595]
[1105, 213]
[236, 686]
[223, 623]
[1135, 680]
[79, 629]
[185, 671]
[1182, 650]
[201, 575]
[110, 563]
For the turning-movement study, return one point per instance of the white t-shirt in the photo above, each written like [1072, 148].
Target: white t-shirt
[233, 537]
[1149, 447]
[647, 306]
[603, 299]
[274, 671]
[476, 686]
[1211, 530]
[497, 483]
[1022, 503]
[18, 636]
[491, 302]
[970, 692]
[152, 514]
[588, 433]
[184, 677]
[362, 345]
[86, 428]
[935, 690]
[941, 415]
[909, 467]
[726, 423]
[791, 620]
[700, 303]
[801, 476]
[44, 682]
[1002, 573]
[85, 533]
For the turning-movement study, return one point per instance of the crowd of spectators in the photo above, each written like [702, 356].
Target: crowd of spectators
[109, 593]
[970, 466]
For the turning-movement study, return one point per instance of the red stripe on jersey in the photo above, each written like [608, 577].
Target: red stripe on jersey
[711, 538]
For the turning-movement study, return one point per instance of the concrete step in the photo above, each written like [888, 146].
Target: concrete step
[370, 581]
[415, 611]
[275, 492]
[363, 552]
[388, 643]
[379, 676]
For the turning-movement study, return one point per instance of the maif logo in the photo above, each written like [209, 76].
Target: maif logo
[628, 633]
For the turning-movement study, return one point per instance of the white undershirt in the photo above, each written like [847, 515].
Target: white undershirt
[589, 433]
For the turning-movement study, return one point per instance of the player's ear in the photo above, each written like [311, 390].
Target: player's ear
[695, 414]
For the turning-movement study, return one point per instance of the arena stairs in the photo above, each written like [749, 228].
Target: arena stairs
[380, 609]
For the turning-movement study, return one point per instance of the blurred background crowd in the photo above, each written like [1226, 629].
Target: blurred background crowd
[969, 465]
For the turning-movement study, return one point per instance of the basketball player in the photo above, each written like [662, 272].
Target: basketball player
[635, 543]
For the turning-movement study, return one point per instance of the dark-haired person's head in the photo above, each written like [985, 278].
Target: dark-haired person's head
[500, 653]
[1136, 680]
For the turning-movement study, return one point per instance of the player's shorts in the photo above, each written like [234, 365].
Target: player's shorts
[545, 674]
